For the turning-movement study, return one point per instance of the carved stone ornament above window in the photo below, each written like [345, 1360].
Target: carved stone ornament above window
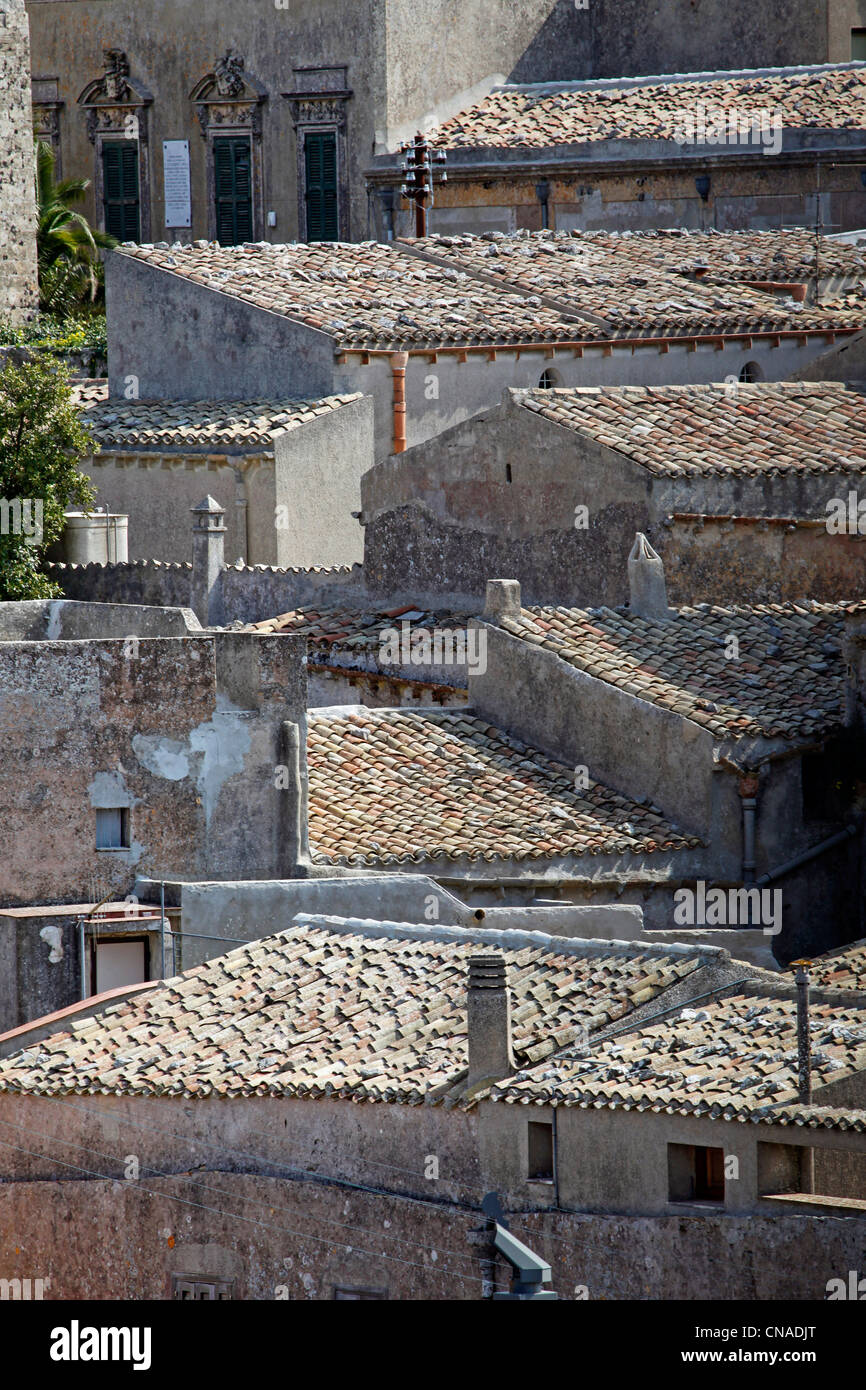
[230, 97]
[115, 102]
[320, 97]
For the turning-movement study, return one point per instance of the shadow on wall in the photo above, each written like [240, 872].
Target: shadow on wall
[583, 39]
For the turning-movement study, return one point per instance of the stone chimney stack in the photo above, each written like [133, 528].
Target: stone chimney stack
[489, 1020]
[502, 599]
[208, 562]
[646, 582]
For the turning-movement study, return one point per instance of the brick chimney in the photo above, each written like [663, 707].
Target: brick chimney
[646, 582]
[488, 1010]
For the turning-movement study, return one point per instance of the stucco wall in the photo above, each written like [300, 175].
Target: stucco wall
[498, 494]
[173, 339]
[318, 482]
[617, 1160]
[185, 733]
[642, 185]
[720, 561]
[635, 747]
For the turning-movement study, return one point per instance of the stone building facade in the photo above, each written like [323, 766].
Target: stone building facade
[142, 749]
[18, 290]
[758, 149]
[291, 108]
[278, 114]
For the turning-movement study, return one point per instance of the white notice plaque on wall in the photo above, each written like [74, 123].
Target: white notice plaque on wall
[175, 168]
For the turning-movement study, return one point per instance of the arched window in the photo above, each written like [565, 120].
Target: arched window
[752, 371]
[549, 379]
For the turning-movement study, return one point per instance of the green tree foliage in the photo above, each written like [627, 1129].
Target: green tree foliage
[67, 247]
[42, 442]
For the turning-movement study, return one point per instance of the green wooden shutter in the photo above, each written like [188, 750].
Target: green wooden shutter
[320, 158]
[233, 190]
[120, 195]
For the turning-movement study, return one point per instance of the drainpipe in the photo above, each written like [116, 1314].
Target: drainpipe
[82, 958]
[804, 1066]
[555, 1136]
[807, 855]
[399, 363]
[162, 931]
[748, 790]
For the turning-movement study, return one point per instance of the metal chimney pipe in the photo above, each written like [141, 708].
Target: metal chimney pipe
[804, 1066]
[804, 1049]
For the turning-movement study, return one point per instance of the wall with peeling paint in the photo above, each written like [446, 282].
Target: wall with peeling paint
[183, 732]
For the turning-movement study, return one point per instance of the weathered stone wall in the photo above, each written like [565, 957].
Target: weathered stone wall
[721, 559]
[640, 185]
[274, 1238]
[250, 593]
[18, 289]
[498, 495]
[386, 49]
[184, 733]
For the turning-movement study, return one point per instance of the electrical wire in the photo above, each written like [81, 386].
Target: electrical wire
[218, 1211]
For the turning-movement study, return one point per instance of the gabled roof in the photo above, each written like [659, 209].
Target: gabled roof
[547, 287]
[400, 786]
[345, 1008]
[664, 284]
[787, 682]
[842, 969]
[540, 115]
[757, 430]
[116, 423]
[733, 1058]
[365, 295]
[357, 629]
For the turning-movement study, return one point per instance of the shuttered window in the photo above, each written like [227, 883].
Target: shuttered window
[120, 190]
[233, 188]
[320, 157]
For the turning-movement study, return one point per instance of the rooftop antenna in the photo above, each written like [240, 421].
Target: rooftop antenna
[818, 226]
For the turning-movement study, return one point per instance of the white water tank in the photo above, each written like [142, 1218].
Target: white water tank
[95, 537]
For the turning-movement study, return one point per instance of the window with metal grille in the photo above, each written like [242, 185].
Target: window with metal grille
[120, 195]
[199, 1290]
[233, 189]
[320, 192]
[112, 828]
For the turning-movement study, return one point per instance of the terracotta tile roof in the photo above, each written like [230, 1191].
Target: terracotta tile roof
[788, 682]
[734, 1058]
[399, 786]
[212, 425]
[843, 969]
[680, 431]
[346, 632]
[365, 295]
[658, 284]
[562, 113]
[342, 1008]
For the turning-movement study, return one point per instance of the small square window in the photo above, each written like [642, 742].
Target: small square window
[858, 45]
[112, 828]
[695, 1173]
[540, 1165]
